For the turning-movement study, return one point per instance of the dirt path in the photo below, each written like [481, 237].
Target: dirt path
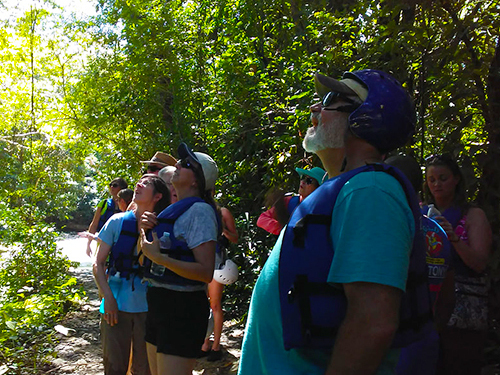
[80, 353]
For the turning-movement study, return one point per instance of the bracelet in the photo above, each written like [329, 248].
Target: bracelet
[455, 241]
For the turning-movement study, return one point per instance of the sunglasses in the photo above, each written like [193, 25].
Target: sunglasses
[442, 157]
[307, 180]
[185, 163]
[114, 185]
[153, 168]
[332, 97]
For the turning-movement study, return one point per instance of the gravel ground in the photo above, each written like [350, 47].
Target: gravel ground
[80, 353]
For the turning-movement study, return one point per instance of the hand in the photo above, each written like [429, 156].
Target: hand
[89, 250]
[110, 310]
[148, 220]
[150, 249]
[88, 235]
[91, 237]
[447, 227]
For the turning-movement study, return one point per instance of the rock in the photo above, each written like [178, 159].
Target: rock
[65, 331]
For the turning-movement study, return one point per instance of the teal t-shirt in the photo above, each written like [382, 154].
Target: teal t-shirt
[130, 294]
[372, 233]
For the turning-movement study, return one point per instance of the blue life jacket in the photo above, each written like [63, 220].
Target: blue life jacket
[293, 203]
[438, 255]
[121, 257]
[109, 207]
[178, 249]
[312, 309]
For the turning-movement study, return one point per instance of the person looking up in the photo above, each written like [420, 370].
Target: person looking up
[277, 216]
[469, 232]
[158, 161]
[166, 174]
[180, 257]
[105, 209]
[124, 197]
[332, 293]
[118, 279]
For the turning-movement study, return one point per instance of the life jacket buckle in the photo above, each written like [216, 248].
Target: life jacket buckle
[292, 294]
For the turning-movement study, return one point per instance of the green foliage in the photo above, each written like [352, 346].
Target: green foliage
[41, 176]
[36, 291]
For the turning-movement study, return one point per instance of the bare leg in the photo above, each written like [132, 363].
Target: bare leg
[206, 345]
[215, 293]
[174, 365]
[152, 358]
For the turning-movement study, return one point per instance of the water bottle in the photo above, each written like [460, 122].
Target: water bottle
[165, 243]
[433, 211]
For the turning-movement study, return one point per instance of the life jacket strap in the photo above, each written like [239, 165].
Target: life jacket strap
[320, 332]
[130, 234]
[300, 229]
[310, 288]
[165, 220]
[301, 291]
[177, 252]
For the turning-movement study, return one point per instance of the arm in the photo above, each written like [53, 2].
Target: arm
[99, 271]
[371, 261]
[475, 254]
[367, 332]
[267, 222]
[229, 225]
[90, 236]
[202, 269]
[268, 219]
[95, 220]
[93, 227]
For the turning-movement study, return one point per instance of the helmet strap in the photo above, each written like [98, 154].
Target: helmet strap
[344, 164]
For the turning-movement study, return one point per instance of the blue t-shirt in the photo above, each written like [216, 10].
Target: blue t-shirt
[372, 233]
[130, 294]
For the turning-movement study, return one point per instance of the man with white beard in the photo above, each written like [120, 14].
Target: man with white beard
[331, 296]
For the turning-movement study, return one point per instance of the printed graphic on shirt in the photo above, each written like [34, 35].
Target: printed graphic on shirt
[434, 242]
[438, 252]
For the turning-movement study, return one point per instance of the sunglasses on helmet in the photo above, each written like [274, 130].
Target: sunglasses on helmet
[332, 97]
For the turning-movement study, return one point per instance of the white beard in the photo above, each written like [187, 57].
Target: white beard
[323, 136]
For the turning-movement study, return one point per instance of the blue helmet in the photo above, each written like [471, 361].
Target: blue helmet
[386, 118]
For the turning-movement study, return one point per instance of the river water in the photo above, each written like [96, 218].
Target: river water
[74, 247]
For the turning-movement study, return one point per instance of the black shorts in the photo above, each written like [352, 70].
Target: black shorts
[177, 321]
